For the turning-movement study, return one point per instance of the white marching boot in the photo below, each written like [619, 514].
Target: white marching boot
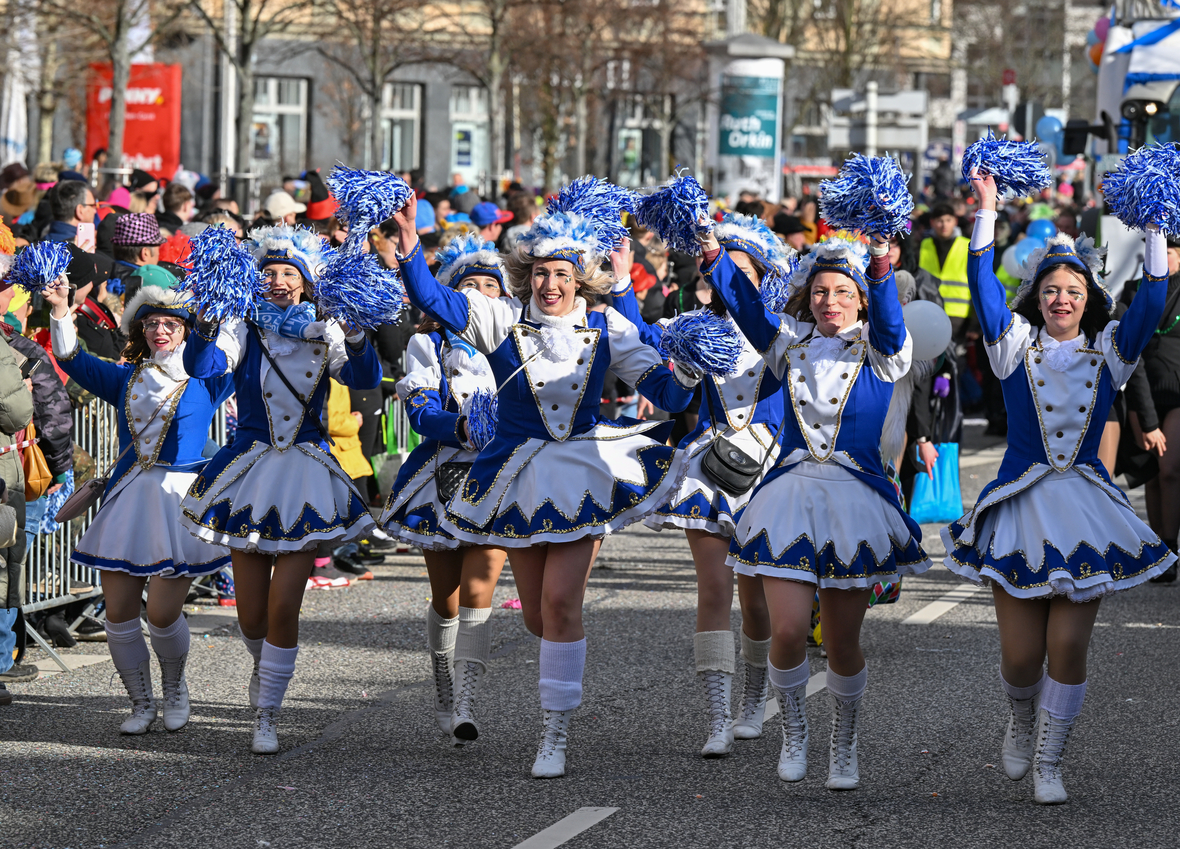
[1053, 734]
[792, 758]
[843, 769]
[255, 683]
[138, 683]
[442, 665]
[469, 676]
[175, 702]
[266, 734]
[748, 725]
[550, 762]
[1021, 737]
[717, 692]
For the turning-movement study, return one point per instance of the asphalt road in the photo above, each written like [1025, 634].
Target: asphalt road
[362, 763]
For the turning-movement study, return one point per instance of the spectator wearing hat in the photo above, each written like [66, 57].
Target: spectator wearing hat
[142, 181]
[136, 242]
[179, 207]
[791, 230]
[280, 208]
[490, 219]
[321, 206]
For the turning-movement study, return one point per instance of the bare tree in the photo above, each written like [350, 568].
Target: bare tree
[247, 23]
[382, 36]
[110, 22]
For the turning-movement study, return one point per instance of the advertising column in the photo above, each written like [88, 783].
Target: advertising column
[749, 135]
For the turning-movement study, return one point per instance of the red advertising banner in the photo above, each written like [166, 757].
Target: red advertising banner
[151, 137]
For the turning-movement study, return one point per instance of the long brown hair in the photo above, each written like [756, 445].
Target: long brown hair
[137, 350]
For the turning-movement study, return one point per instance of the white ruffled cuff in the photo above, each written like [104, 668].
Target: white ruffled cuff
[1155, 257]
[687, 378]
[621, 285]
[985, 229]
[64, 337]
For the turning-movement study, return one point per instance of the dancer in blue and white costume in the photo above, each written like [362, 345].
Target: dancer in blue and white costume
[745, 409]
[557, 477]
[825, 515]
[1052, 534]
[442, 377]
[136, 537]
[274, 493]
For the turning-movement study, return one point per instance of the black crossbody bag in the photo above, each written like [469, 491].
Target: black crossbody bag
[728, 466]
[319, 425]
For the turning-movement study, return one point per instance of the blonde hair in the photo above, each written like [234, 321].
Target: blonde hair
[593, 283]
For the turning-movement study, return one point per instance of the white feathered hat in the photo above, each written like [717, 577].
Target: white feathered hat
[297, 246]
[833, 254]
[466, 255]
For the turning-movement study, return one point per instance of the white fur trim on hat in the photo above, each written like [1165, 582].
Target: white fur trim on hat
[833, 249]
[1092, 256]
[485, 258]
[297, 242]
[154, 296]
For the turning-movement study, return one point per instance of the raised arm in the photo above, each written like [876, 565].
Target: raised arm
[628, 306]
[741, 299]
[1142, 317]
[212, 351]
[890, 346]
[352, 360]
[104, 379]
[641, 366]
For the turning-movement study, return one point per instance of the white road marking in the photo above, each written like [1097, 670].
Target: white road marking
[937, 608]
[565, 829]
[817, 682]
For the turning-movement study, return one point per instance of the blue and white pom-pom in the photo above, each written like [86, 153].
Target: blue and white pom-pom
[676, 213]
[776, 288]
[703, 341]
[224, 280]
[482, 410]
[366, 198]
[38, 265]
[1019, 168]
[870, 194]
[1145, 189]
[601, 202]
[357, 290]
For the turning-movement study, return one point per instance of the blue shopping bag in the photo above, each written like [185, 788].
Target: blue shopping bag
[939, 500]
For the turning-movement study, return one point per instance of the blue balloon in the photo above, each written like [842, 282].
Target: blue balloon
[1049, 129]
[1025, 247]
[1041, 229]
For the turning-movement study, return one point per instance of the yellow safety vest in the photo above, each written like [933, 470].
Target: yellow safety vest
[952, 277]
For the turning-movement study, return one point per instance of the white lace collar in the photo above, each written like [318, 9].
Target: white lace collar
[1059, 355]
[171, 363]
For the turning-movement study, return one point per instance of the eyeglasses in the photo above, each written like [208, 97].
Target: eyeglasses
[1050, 293]
[839, 294]
[273, 274]
[164, 324]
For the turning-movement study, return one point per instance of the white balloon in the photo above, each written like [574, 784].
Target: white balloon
[929, 327]
[1010, 263]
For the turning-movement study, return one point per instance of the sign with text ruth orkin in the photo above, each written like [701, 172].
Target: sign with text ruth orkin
[151, 138]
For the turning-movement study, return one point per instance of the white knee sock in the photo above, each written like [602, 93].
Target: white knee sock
[274, 674]
[1022, 693]
[1063, 701]
[440, 632]
[254, 646]
[848, 688]
[171, 641]
[126, 644]
[562, 666]
[474, 640]
[713, 651]
[790, 679]
[755, 652]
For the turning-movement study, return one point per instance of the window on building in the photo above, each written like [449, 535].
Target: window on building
[401, 116]
[469, 132]
[279, 136]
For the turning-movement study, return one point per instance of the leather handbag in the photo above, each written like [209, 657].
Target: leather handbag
[448, 477]
[724, 464]
[38, 478]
